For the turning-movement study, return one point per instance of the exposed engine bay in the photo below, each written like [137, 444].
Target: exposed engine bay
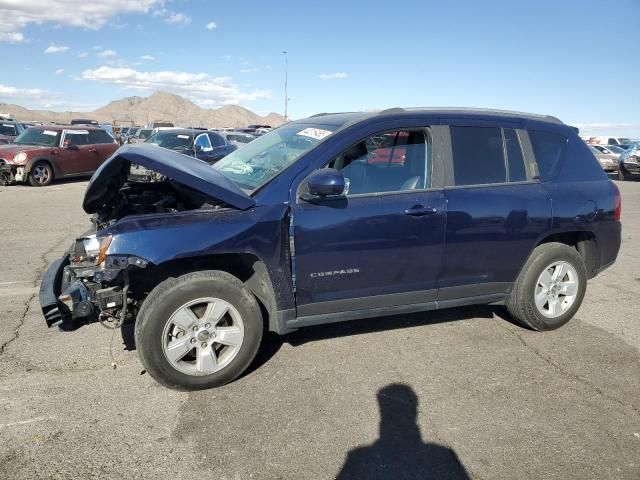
[147, 192]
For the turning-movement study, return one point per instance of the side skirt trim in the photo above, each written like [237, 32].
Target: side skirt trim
[288, 323]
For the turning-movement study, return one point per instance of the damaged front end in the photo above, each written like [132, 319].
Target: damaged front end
[87, 285]
[11, 174]
[92, 281]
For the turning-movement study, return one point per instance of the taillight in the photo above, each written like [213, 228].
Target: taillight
[618, 210]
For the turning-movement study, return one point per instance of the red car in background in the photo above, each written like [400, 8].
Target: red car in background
[41, 154]
[388, 148]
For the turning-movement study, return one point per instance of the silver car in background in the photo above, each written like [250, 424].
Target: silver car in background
[608, 161]
[237, 138]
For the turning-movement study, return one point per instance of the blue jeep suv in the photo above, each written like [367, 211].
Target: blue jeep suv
[336, 217]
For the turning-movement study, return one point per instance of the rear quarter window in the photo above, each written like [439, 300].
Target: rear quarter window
[549, 150]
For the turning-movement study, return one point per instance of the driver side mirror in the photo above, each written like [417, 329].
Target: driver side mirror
[323, 184]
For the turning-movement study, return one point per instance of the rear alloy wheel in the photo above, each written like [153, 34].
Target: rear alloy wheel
[197, 331]
[556, 289]
[550, 287]
[40, 175]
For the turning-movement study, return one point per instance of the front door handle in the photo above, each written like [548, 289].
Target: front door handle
[420, 211]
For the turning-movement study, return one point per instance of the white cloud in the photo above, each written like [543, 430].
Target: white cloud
[15, 15]
[178, 18]
[147, 57]
[333, 76]
[60, 71]
[82, 55]
[211, 25]
[11, 37]
[14, 93]
[56, 49]
[38, 98]
[201, 87]
[107, 53]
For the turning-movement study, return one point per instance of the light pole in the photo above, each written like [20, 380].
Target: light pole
[286, 78]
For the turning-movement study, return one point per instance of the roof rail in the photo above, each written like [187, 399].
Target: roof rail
[392, 110]
[489, 111]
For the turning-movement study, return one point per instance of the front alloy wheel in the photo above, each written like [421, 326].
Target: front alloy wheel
[203, 336]
[199, 330]
[40, 175]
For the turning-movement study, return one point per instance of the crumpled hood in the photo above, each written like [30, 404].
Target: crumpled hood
[112, 174]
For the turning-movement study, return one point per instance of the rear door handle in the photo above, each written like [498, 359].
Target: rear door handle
[420, 211]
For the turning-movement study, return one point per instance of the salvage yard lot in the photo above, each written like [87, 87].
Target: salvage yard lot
[499, 400]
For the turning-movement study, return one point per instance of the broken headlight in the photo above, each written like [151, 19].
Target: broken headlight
[91, 249]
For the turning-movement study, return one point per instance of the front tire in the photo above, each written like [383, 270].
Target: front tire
[550, 288]
[41, 175]
[198, 331]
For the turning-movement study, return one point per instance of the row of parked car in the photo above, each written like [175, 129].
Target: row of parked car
[623, 158]
[39, 154]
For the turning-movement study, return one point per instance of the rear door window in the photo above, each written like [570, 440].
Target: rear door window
[478, 155]
[549, 149]
[77, 137]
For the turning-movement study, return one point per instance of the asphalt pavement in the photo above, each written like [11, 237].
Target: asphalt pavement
[461, 393]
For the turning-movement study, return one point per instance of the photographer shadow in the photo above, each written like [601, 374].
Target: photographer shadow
[400, 453]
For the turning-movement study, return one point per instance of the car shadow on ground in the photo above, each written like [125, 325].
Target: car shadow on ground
[272, 342]
[399, 452]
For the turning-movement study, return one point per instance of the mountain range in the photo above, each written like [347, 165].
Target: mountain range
[158, 106]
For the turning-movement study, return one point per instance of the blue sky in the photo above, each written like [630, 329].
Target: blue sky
[578, 60]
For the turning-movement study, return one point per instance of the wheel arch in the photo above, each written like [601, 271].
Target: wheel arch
[29, 165]
[251, 270]
[584, 241]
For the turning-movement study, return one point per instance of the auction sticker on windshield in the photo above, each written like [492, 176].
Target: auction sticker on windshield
[316, 133]
[50, 132]
[183, 136]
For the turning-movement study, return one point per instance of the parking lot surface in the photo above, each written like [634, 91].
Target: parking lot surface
[453, 394]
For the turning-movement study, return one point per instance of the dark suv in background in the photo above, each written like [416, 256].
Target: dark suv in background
[41, 154]
[9, 130]
[204, 145]
[332, 218]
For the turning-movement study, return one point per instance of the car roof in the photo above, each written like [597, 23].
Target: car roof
[344, 118]
[67, 127]
[181, 131]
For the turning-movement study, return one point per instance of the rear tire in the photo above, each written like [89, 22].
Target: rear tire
[550, 288]
[41, 175]
[212, 319]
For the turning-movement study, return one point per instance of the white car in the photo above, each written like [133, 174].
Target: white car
[613, 150]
